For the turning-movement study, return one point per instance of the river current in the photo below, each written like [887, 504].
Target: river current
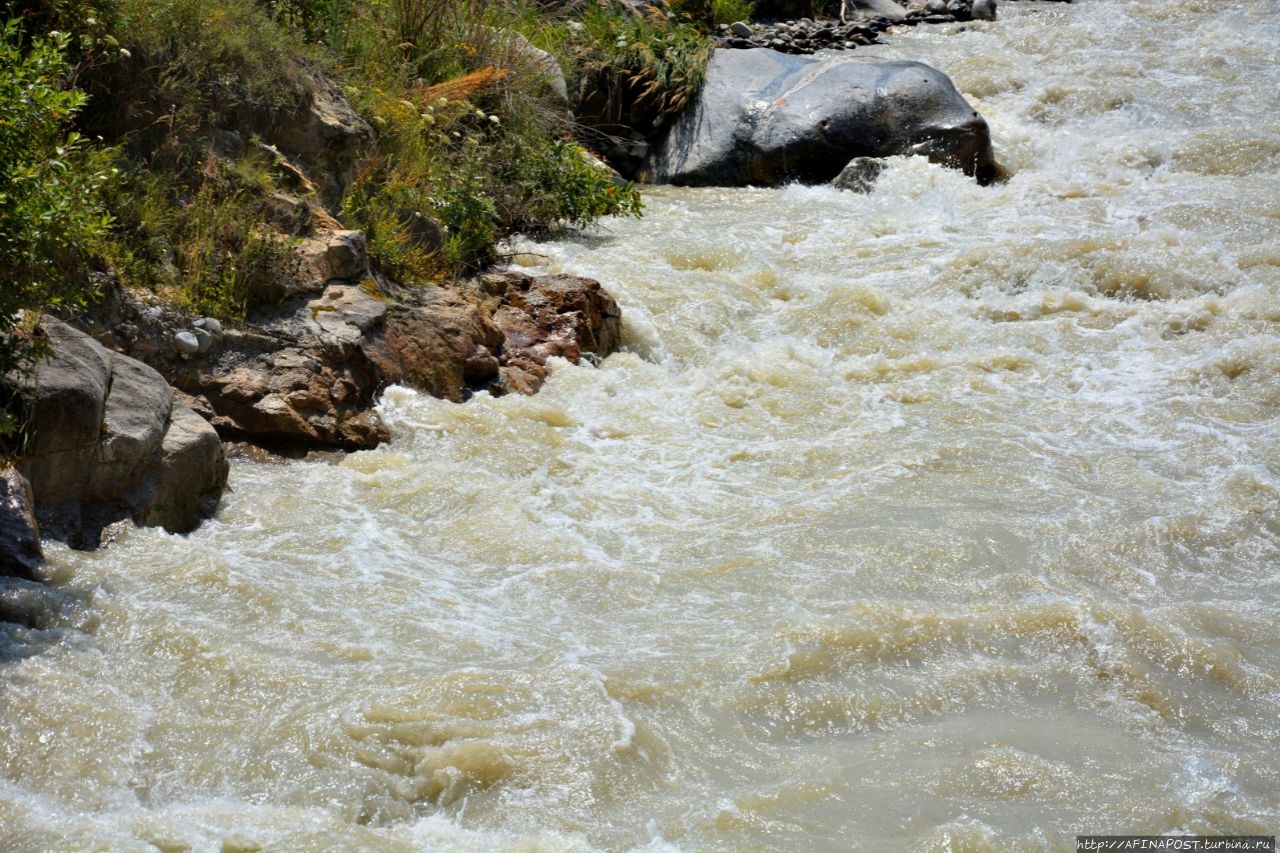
[939, 518]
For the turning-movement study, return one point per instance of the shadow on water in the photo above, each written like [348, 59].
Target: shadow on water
[34, 617]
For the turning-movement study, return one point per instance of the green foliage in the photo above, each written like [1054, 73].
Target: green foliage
[468, 133]
[697, 13]
[728, 11]
[565, 184]
[191, 65]
[640, 68]
[467, 137]
[201, 238]
[51, 213]
[319, 21]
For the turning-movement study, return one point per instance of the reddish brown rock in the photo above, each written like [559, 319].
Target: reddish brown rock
[557, 316]
[306, 372]
[429, 341]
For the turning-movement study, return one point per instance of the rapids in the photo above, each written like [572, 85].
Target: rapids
[937, 518]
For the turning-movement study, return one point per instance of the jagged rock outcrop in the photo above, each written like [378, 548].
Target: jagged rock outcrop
[305, 372]
[767, 118]
[323, 136]
[553, 316]
[111, 443]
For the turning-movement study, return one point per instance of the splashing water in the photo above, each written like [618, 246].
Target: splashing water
[937, 518]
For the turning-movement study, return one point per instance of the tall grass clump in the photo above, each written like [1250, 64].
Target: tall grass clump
[729, 11]
[637, 71]
[471, 133]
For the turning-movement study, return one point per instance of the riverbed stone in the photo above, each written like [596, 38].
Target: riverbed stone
[558, 316]
[767, 118]
[186, 343]
[859, 175]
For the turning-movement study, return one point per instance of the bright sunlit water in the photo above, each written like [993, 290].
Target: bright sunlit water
[943, 518]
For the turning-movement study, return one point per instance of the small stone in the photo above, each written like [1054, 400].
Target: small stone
[984, 10]
[210, 325]
[186, 343]
[204, 340]
[935, 7]
[859, 175]
[741, 30]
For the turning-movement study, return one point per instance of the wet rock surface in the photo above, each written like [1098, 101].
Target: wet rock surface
[20, 551]
[765, 118]
[558, 316]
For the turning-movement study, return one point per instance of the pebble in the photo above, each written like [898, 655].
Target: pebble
[204, 339]
[210, 325]
[186, 343]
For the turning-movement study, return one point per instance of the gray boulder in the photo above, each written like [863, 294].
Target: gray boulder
[108, 444]
[20, 552]
[192, 476]
[768, 118]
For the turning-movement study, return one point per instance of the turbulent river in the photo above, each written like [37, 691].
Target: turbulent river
[937, 518]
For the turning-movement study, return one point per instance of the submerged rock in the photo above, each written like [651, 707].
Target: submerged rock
[859, 175]
[767, 118]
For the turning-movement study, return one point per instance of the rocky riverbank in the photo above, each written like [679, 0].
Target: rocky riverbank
[130, 409]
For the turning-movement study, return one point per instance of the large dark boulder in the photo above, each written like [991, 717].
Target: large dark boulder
[111, 443]
[767, 118]
[20, 552]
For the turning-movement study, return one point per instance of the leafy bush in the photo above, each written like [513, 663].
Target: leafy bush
[563, 183]
[51, 212]
[188, 66]
[728, 11]
[636, 71]
[199, 237]
[473, 141]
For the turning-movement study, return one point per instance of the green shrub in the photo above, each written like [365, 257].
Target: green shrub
[481, 151]
[198, 237]
[188, 66]
[51, 213]
[318, 21]
[639, 71]
[564, 184]
[728, 11]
